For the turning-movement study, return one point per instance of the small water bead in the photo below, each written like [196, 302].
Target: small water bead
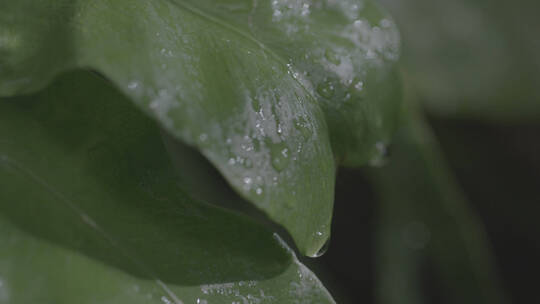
[305, 9]
[323, 249]
[332, 57]
[302, 125]
[133, 85]
[370, 54]
[359, 85]
[325, 89]
[259, 191]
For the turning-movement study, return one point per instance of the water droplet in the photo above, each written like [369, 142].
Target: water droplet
[133, 85]
[302, 125]
[370, 54]
[259, 191]
[305, 9]
[326, 89]
[203, 137]
[323, 249]
[280, 158]
[359, 86]
[232, 161]
[332, 57]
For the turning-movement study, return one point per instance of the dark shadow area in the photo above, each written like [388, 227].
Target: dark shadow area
[107, 189]
[347, 269]
[498, 167]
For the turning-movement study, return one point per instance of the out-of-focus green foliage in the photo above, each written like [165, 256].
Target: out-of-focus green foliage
[476, 59]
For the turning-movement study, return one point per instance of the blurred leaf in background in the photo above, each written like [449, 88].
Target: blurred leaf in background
[472, 58]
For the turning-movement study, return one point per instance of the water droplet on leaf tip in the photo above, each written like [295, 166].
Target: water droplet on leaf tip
[323, 249]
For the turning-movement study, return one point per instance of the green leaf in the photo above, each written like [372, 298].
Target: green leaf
[90, 212]
[270, 92]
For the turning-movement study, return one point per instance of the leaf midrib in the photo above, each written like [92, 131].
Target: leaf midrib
[188, 7]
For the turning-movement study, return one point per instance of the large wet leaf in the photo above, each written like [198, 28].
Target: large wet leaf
[271, 92]
[90, 212]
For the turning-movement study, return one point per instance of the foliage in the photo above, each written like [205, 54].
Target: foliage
[274, 94]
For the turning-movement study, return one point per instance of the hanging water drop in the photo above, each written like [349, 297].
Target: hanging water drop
[323, 249]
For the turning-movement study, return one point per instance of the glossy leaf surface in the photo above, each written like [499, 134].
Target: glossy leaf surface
[90, 212]
[270, 92]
